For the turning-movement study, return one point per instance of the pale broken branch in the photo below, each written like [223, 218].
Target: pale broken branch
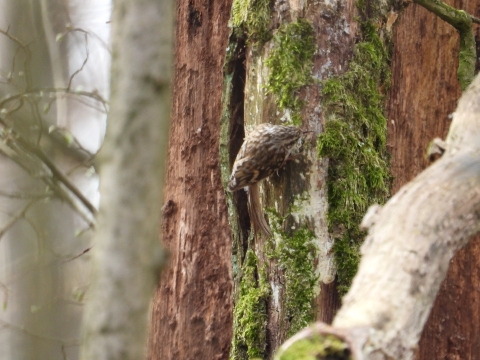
[407, 252]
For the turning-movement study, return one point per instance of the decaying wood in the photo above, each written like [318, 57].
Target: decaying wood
[408, 249]
[192, 308]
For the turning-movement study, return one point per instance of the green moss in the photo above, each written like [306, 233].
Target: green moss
[295, 254]
[355, 142]
[316, 347]
[251, 18]
[250, 314]
[290, 64]
[467, 55]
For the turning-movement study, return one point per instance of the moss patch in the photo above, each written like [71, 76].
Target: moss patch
[251, 18]
[316, 347]
[290, 64]
[354, 140]
[250, 314]
[295, 253]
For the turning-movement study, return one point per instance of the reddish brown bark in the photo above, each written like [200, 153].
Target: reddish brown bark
[192, 309]
[328, 302]
[424, 92]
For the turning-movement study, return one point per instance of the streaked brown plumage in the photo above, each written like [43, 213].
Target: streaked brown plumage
[265, 150]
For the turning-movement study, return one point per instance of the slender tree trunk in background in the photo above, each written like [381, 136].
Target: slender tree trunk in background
[424, 93]
[30, 269]
[126, 254]
[42, 282]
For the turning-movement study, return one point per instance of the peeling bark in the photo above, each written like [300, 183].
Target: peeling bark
[192, 308]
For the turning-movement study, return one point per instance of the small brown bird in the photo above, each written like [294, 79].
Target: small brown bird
[265, 150]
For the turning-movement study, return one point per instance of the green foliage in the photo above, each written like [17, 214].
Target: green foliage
[250, 314]
[355, 142]
[290, 64]
[252, 17]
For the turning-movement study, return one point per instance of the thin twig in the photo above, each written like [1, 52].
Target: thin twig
[83, 65]
[18, 216]
[93, 94]
[475, 19]
[57, 173]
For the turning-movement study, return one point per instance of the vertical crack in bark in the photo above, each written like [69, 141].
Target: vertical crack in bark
[237, 134]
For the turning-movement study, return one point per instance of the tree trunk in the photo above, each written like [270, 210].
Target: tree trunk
[192, 309]
[425, 60]
[126, 253]
[343, 104]
[284, 282]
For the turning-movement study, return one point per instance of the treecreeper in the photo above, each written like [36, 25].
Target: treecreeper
[265, 150]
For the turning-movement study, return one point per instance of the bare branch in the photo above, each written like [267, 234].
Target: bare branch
[36, 168]
[83, 64]
[22, 330]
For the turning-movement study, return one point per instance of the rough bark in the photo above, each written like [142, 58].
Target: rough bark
[410, 244]
[414, 120]
[126, 254]
[192, 309]
[264, 40]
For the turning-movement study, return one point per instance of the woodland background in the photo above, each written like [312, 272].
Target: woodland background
[61, 73]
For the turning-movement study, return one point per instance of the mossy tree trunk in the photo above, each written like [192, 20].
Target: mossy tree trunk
[406, 254]
[425, 61]
[298, 64]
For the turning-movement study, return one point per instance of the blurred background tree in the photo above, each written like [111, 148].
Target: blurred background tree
[53, 89]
